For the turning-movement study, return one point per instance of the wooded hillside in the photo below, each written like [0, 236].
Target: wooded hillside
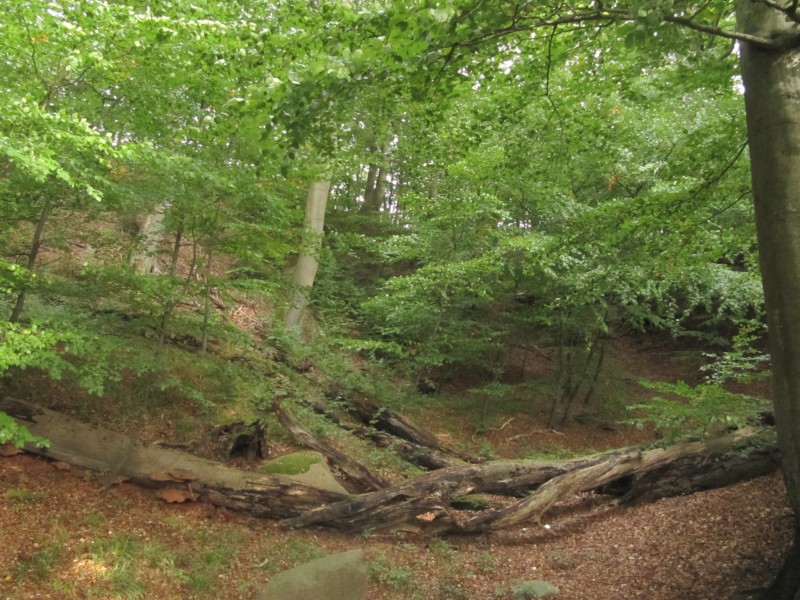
[345, 222]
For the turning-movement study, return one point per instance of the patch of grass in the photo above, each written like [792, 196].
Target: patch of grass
[39, 565]
[128, 558]
[223, 546]
[65, 589]
[440, 548]
[396, 578]
[528, 589]
[560, 559]
[93, 520]
[199, 569]
[452, 590]
[299, 551]
[290, 553]
[556, 452]
[200, 581]
[122, 546]
[26, 496]
[120, 553]
[186, 427]
[486, 562]
[487, 450]
[385, 460]
[124, 581]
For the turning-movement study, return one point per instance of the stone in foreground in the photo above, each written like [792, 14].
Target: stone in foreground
[534, 588]
[336, 577]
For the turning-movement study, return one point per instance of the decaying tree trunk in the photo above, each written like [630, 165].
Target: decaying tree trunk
[416, 454]
[427, 498]
[355, 471]
[634, 462]
[425, 502]
[393, 422]
[189, 476]
[240, 439]
[422, 456]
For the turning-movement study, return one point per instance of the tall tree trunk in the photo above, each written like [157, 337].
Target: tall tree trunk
[377, 180]
[169, 305]
[145, 259]
[772, 97]
[306, 268]
[207, 291]
[369, 188]
[36, 245]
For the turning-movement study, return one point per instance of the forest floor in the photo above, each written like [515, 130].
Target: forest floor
[62, 537]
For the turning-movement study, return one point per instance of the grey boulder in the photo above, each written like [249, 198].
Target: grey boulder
[340, 576]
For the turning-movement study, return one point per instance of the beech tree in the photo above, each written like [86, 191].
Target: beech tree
[306, 268]
[771, 73]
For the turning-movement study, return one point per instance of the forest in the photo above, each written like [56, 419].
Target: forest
[491, 262]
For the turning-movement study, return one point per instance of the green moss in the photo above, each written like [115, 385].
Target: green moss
[291, 464]
[471, 502]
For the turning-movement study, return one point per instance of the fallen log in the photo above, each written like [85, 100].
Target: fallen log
[427, 498]
[390, 421]
[744, 448]
[424, 502]
[355, 471]
[422, 456]
[240, 439]
[153, 466]
[696, 473]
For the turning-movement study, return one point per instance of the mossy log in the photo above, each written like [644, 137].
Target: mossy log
[352, 469]
[190, 476]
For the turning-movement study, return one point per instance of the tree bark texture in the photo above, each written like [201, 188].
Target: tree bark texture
[425, 500]
[417, 454]
[771, 78]
[305, 271]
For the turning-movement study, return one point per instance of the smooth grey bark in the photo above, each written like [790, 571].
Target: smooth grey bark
[771, 77]
[305, 270]
[145, 259]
